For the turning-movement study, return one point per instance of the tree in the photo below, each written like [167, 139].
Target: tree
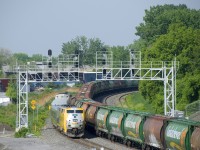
[184, 43]
[11, 91]
[170, 31]
[5, 57]
[21, 58]
[94, 45]
[158, 19]
[86, 48]
[36, 57]
[120, 53]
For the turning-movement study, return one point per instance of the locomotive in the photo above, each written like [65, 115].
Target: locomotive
[146, 130]
[70, 120]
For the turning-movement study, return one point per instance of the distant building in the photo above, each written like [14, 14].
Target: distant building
[4, 100]
[3, 84]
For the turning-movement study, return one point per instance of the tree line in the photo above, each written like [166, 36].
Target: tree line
[167, 32]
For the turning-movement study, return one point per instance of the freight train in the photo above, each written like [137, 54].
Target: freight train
[146, 130]
[70, 120]
[95, 88]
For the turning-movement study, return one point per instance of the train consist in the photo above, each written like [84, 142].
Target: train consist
[70, 120]
[146, 130]
[92, 89]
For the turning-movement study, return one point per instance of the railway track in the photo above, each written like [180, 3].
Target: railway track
[122, 99]
[117, 99]
[91, 145]
[113, 95]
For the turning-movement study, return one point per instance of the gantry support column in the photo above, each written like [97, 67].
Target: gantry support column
[22, 100]
[169, 91]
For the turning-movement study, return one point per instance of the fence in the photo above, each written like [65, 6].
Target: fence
[192, 108]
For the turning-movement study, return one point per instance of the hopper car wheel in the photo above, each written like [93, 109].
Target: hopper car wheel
[128, 143]
[97, 132]
[103, 134]
[148, 148]
[100, 134]
[143, 146]
[124, 142]
[109, 136]
[112, 138]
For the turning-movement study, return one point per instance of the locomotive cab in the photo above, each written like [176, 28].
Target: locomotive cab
[70, 120]
[75, 121]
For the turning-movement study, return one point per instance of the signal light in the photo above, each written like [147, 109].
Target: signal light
[50, 75]
[76, 52]
[49, 52]
[76, 64]
[50, 64]
[103, 61]
[104, 50]
[104, 71]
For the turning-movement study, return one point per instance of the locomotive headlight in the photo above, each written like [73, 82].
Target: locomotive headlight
[68, 123]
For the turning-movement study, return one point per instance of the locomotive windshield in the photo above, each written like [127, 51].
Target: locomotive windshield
[75, 111]
[79, 111]
[70, 111]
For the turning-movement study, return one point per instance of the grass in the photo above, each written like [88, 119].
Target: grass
[8, 115]
[37, 122]
[136, 101]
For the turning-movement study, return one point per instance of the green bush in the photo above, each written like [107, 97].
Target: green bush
[21, 133]
[78, 84]
[136, 101]
[8, 115]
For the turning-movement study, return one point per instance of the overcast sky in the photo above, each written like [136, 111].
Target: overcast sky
[34, 26]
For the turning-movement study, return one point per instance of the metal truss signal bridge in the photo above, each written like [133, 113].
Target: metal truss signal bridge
[135, 69]
[65, 70]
